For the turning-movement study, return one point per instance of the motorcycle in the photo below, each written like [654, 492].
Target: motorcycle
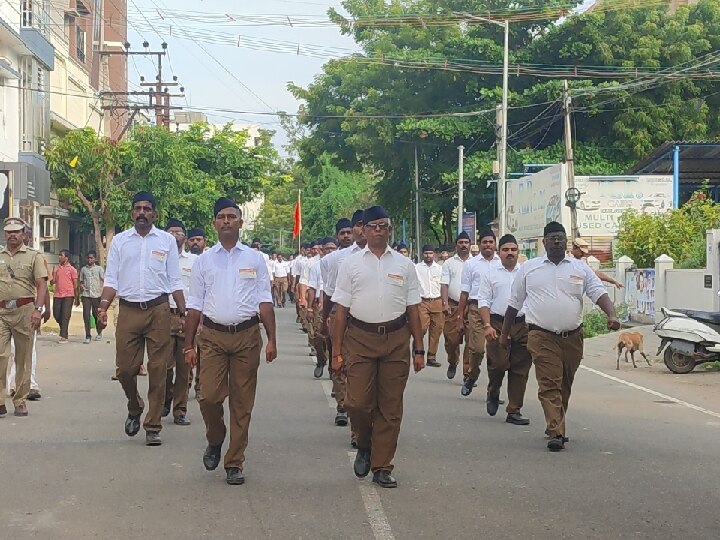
[689, 338]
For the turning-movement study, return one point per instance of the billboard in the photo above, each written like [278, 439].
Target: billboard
[469, 225]
[533, 201]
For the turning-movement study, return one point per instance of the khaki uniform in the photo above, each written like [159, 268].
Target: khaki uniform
[475, 340]
[432, 319]
[516, 361]
[453, 338]
[280, 285]
[176, 392]
[18, 274]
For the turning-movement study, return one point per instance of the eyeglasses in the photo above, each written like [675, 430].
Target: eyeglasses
[11, 272]
[378, 226]
[556, 238]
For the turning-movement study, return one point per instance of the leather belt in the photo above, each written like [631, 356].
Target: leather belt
[564, 334]
[473, 302]
[231, 328]
[163, 298]
[501, 319]
[380, 328]
[430, 299]
[12, 304]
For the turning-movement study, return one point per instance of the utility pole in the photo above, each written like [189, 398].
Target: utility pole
[461, 187]
[569, 158]
[417, 204]
[502, 215]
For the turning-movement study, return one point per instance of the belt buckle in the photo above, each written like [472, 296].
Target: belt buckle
[232, 328]
[381, 330]
[10, 304]
[564, 334]
[144, 306]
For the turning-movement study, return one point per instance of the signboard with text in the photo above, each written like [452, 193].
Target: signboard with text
[469, 225]
[533, 201]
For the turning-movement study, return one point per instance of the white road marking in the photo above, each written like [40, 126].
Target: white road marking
[653, 392]
[371, 499]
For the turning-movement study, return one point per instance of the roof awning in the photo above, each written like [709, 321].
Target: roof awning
[698, 161]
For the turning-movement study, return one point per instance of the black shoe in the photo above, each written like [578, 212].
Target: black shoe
[492, 405]
[152, 438]
[467, 387]
[211, 457]
[318, 371]
[341, 418]
[517, 419]
[235, 477]
[297, 320]
[313, 352]
[166, 410]
[452, 370]
[181, 420]
[565, 439]
[34, 395]
[361, 467]
[433, 363]
[384, 479]
[556, 444]
[332, 394]
[353, 443]
[132, 425]
[3, 411]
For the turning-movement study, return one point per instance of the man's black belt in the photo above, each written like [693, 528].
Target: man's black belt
[563, 334]
[430, 299]
[231, 328]
[163, 298]
[473, 302]
[380, 328]
[500, 319]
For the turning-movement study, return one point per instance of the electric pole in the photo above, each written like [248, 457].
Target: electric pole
[461, 187]
[418, 247]
[569, 158]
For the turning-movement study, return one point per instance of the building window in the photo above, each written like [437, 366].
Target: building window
[80, 43]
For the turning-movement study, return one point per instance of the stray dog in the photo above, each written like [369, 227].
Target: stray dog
[631, 342]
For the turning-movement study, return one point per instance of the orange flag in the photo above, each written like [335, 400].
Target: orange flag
[297, 226]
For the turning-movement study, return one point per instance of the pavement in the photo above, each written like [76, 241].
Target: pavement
[642, 461]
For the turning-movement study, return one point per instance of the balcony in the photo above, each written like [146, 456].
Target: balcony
[34, 31]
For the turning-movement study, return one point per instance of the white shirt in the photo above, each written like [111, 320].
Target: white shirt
[305, 276]
[377, 290]
[187, 260]
[315, 278]
[429, 276]
[229, 286]
[330, 265]
[298, 265]
[473, 271]
[552, 295]
[495, 289]
[269, 263]
[141, 268]
[282, 269]
[452, 275]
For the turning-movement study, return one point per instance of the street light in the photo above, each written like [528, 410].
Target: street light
[503, 137]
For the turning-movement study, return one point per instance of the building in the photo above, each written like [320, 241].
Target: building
[27, 57]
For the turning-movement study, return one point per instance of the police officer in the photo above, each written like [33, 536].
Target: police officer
[450, 291]
[377, 296]
[550, 290]
[143, 268]
[23, 290]
[176, 391]
[229, 288]
[493, 297]
[432, 318]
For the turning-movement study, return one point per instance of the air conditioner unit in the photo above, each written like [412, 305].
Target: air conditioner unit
[50, 227]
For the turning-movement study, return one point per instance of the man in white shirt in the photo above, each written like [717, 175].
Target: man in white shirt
[306, 310]
[450, 280]
[550, 290]
[176, 392]
[280, 285]
[257, 245]
[196, 245]
[229, 288]
[143, 268]
[320, 341]
[377, 297]
[432, 318]
[493, 298]
[473, 272]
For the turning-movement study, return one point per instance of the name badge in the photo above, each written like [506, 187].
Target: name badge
[186, 270]
[576, 279]
[159, 256]
[396, 279]
[248, 273]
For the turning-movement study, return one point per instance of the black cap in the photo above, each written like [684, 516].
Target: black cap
[144, 196]
[373, 213]
[357, 217]
[428, 247]
[329, 240]
[305, 245]
[484, 233]
[552, 227]
[507, 239]
[401, 245]
[197, 231]
[343, 223]
[462, 236]
[222, 203]
[172, 222]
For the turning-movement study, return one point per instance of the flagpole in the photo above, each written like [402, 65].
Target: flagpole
[300, 231]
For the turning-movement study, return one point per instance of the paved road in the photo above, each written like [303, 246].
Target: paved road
[639, 464]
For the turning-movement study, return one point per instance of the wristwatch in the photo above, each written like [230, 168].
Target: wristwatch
[39, 308]
[418, 352]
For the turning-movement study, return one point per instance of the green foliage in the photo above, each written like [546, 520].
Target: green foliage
[594, 323]
[679, 233]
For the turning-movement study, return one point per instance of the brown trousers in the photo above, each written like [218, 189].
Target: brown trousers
[556, 360]
[432, 318]
[317, 340]
[453, 338]
[378, 367]
[176, 392]
[475, 341]
[136, 329]
[16, 324]
[280, 285]
[229, 370]
[516, 361]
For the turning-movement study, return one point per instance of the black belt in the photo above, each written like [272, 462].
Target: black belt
[231, 328]
[563, 334]
[430, 299]
[499, 318]
[379, 328]
[473, 302]
[163, 298]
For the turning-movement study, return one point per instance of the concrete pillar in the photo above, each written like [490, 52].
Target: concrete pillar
[662, 264]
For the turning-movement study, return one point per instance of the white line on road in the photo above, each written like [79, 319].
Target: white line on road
[370, 497]
[653, 392]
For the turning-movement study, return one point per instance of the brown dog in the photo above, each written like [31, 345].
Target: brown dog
[631, 342]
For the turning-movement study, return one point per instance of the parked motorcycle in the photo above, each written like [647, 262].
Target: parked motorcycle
[689, 338]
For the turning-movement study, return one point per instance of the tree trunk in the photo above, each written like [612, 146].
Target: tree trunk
[447, 221]
[109, 235]
[98, 240]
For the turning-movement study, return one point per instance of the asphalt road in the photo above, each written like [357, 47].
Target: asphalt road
[642, 461]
